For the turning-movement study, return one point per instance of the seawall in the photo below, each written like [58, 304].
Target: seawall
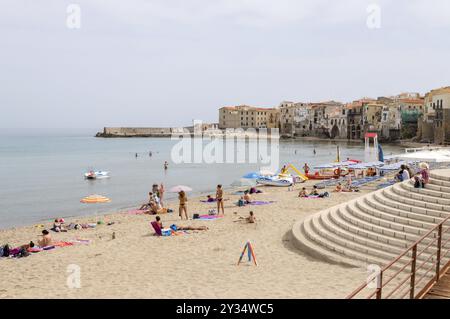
[135, 132]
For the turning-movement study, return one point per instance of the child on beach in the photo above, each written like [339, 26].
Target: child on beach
[338, 188]
[219, 198]
[183, 206]
[251, 219]
[303, 193]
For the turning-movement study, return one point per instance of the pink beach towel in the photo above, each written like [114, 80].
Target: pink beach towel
[136, 212]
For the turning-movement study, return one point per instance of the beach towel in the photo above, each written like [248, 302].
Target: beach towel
[136, 212]
[62, 244]
[209, 217]
[260, 202]
[81, 241]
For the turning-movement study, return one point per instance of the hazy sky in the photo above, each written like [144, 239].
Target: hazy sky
[166, 62]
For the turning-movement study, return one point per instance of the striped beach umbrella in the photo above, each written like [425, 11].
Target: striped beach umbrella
[94, 199]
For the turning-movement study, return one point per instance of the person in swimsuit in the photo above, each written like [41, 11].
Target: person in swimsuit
[219, 198]
[46, 239]
[303, 193]
[338, 188]
[158, 220]
[183, 207]
[161, 194]
[247, 197]
[314, 192]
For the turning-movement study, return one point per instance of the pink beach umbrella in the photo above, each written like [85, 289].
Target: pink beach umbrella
[179, 188]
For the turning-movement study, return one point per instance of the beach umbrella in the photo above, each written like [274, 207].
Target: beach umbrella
[251, 175]
[243, 182]
[95, 199]
[179, 188]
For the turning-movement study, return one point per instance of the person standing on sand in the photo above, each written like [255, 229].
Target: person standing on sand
[306, 168]
[183, 206]
[161, 194]
[219, 198]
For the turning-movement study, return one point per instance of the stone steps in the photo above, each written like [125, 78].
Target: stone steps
[439, 182]
[377, 227]
[420, 200]
[405, 210]
[439, 197]
[439, 188]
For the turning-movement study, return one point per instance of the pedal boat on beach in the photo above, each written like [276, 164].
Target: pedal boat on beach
[96, 175]
[280, 180]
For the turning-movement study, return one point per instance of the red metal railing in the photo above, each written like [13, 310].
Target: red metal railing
[396, 281]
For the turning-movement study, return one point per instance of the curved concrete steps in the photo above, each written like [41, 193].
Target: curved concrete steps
[379, 226]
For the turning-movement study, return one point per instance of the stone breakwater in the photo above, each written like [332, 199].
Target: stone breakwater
[136, 132]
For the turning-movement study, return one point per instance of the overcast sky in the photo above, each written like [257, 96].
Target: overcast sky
[166, 62]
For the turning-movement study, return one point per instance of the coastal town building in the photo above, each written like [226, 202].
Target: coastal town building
[403, 116]
[245, 116]
[434, 124]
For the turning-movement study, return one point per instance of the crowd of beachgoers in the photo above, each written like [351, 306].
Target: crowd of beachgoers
[156, 206]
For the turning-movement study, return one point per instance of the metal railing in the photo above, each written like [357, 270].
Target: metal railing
[409, 273]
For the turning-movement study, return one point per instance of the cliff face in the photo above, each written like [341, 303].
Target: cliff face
[135, 132]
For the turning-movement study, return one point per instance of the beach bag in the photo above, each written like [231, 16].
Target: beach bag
[241, 203]
[23, 253]
[5, 251]
[417, 183]
[195, 216]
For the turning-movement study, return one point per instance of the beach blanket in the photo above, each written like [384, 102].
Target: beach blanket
[63, 244]
[213, 202]
[209, 217]
[259, 202]
[136, 212]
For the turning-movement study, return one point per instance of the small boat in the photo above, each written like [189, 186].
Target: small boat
[96, 175]
[275, 181]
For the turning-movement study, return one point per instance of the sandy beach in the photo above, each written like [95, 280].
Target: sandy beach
[200, 264]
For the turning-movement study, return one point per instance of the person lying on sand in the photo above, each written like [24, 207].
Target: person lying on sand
[254, 190]
[302, 193]
[46, 239]
[210, 199]
[251, 219]
[177, 227]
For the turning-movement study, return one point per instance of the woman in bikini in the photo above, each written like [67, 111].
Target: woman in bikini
[183, 207]
[219, 198]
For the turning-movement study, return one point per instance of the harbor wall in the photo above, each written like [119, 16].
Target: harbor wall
[135, 132]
